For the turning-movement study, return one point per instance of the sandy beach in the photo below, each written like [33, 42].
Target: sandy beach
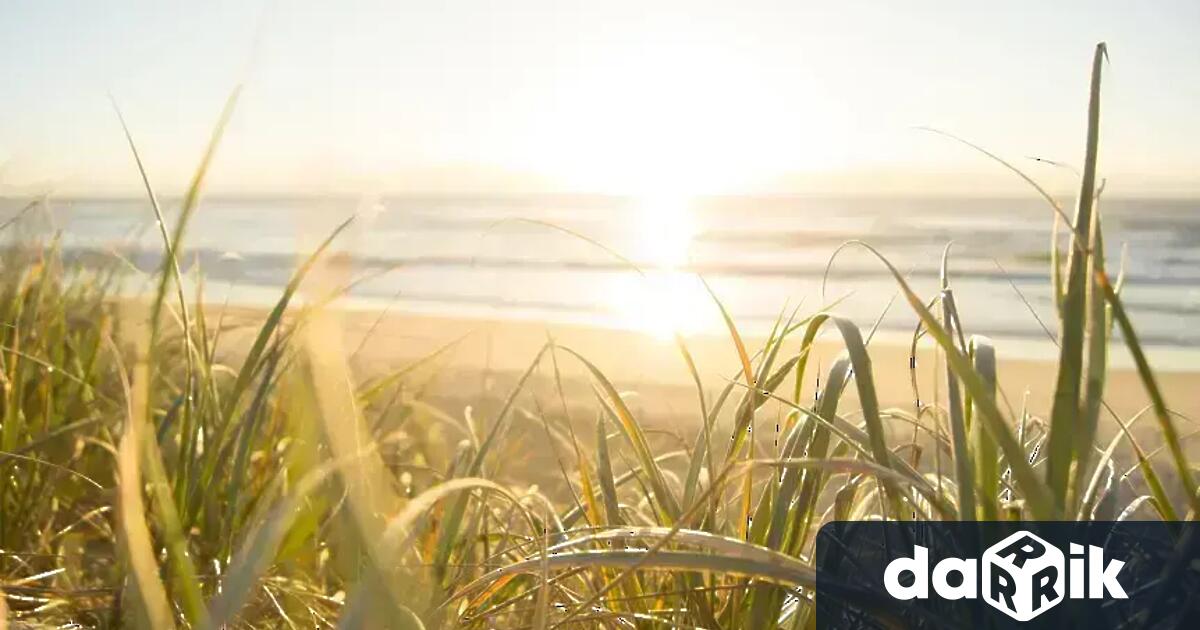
[485, 356]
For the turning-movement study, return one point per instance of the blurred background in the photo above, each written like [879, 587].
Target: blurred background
[742, 143]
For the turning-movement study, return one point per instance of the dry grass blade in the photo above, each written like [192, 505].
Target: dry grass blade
[781, 569]
[632, 430]
[136, 541]
[743, 356]
[398, 533]
[1058, 210]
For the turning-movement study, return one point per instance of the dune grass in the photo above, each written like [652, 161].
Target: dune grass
[156, 477]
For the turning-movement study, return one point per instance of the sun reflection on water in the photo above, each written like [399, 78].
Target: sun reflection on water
[669, 299]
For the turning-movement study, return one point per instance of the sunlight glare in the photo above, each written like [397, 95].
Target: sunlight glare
[669, 299]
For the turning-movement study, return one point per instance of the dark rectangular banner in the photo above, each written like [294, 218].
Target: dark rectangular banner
[985, 575]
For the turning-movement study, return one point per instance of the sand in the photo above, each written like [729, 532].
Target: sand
[489, 353]
[482, 360]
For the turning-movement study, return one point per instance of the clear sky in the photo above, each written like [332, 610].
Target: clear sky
[617, 96]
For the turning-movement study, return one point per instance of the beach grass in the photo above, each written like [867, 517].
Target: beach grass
[163, 468]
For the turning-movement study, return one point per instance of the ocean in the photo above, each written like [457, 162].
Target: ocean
[570, 258]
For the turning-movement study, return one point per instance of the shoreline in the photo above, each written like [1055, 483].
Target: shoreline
[1034, 348]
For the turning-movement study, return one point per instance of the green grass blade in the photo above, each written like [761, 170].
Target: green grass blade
[983, 447]
[1040, 500]
[1099, 332]
[1065, 412]
[1161, 411]
[608, 487]
[810, 488]
[964, 474]
[253, 358]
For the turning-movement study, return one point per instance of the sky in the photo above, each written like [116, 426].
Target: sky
[519, 96]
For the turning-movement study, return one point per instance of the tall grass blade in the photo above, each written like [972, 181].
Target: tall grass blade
[964, 474]
[1065, 411]
[1161, 411]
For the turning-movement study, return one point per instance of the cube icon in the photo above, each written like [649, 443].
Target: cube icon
[1023, 576]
